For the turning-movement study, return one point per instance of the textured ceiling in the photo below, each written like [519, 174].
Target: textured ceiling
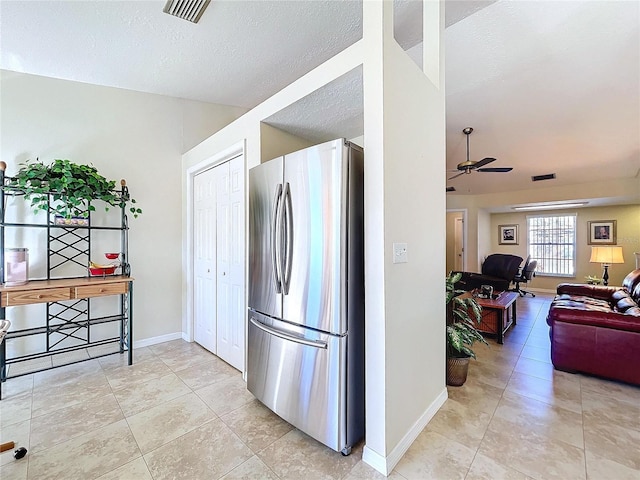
[549, 86]
[337, 107]
[240, 53]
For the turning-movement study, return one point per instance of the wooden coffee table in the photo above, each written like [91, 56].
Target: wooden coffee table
[496, 317]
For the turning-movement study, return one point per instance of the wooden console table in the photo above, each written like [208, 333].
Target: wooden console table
[69, 289]
[495, 313]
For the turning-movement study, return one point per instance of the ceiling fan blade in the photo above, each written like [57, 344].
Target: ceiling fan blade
[496, 169]
[483, 162]
[456, 176]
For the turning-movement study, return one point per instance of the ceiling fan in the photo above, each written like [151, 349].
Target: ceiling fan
[468, 166]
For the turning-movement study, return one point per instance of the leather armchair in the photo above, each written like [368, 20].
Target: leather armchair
[498, 270]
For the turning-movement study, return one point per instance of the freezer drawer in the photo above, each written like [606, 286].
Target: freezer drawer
[300, 374]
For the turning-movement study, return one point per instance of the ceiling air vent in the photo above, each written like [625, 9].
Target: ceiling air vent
[190, 10]
[451, 189]
[538, 178]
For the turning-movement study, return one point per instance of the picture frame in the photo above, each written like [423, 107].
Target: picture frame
[602, 232]
[508, 234]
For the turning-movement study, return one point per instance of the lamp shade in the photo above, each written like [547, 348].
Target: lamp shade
[607, 255]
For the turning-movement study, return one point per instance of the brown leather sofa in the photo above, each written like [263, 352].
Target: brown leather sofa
[596, 329]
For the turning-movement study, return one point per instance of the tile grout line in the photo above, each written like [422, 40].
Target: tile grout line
[500, 400]
[584, 436]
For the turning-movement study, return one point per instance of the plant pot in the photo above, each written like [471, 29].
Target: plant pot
[457, 368]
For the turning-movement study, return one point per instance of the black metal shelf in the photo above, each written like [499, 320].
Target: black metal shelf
[68, 324]
[26, 332]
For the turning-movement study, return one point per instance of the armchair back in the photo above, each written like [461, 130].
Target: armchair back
[498, 270]
[501, 265]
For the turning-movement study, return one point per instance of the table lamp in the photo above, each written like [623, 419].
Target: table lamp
[606, 256]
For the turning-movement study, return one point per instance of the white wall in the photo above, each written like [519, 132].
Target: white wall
[627, 219]
[412, 177]
[124, 134]
[275, 142]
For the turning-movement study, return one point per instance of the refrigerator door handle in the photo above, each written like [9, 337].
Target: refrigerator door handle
[286, 336]
[289, 239]
[275, 257]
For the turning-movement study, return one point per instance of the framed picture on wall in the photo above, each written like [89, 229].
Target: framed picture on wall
[602, 232]
[508, 234]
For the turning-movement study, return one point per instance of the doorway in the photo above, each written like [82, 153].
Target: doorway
[455, 259]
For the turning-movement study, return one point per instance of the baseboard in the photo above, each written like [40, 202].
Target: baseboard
[155, 340]
[385, 465]
[542, 290]
[375, 460]
[537, 290]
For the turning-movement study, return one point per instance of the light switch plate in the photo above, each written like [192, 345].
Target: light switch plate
[400, 254]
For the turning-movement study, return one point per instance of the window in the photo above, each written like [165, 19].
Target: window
[551, 240]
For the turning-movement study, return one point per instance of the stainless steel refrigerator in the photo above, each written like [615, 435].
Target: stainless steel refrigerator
[306, 291]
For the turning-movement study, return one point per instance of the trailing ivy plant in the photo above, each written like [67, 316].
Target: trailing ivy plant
[72, 188]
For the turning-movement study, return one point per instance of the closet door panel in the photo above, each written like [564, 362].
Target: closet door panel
[231, 266]
[204, 261]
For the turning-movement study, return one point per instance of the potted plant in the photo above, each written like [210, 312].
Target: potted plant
[72, 188]
[463, 314]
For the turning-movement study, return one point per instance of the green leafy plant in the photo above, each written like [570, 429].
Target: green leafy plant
[465, 314]
[72, 188]
[593, 280]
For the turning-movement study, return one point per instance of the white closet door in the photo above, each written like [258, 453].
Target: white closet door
[204, 235]
[230, 262]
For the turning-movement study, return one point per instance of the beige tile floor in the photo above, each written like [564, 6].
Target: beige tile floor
[179, 412]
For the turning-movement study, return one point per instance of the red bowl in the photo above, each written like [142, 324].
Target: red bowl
[112, 256]
[98, 272]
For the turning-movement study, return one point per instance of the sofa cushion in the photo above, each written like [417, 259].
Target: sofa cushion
[579, 302]
[595, 318]
[635, 294]
[633, 311]
[619, 295]
[632, 280]
[624, 304]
